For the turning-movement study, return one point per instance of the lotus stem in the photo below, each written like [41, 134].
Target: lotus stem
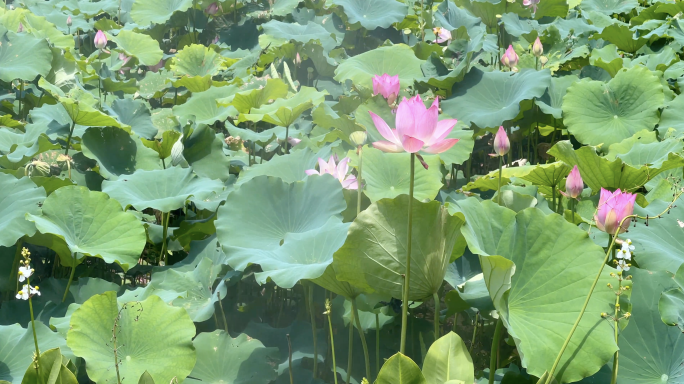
[407, 275]
[223, 314]
[71, 278]
[328, 311]
[71, 133]
[436, 299]
[165, 230]
[498, 331]
[289, 357]
[472, 341]
[358, 182]
[313, 329]
[363, 337]
[613, 378]
[33, 325]
[498, 189]
[287, 134]
[351, 345]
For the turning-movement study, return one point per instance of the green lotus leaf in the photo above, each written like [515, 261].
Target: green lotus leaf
[661, 155]
[146, 378]
[491, 180]
[328, 280]
[163, 147]
[92, 224]
[224, 360]
[657, 245]
[198, 285]
[131, 154]
[606, 113]
[255, 98]
[372, 14]
[623, 37]
[365, 304]
[153, 84]
[400, 369]
[552, 8]
[23, 56]
[438, 75]
[54, 121]
[146, 12]
[386, 175]
[608, 7]
[451, 17]
[194, 83]
[135, 114]
[650, 351]
[549, 175]
[552, 100]
[51, 370]
[448, 359]
[204, 151]
[284, 112]
[204, 107]
[607, 58]
[671, 304]
[280, 211]
[277, 33]
[374, 253]
[37, 26]
[489, 11]
[20, 147]
[151, 336]
[196, 60]
[142, 46]
[487, 99]
[671, 118]
[394, 60]
[164, 189]
[82, 114]
[18, 348]
[480, 232]
[17, 198]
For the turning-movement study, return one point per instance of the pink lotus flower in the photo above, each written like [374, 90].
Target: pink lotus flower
[574, 184]
[100, 40]
[68, 21]
[501, 143]
[417, 129]
[388, 86]
[212, 9]
[441, 34]
[532, 4]
[612, 208]
[21, 28]
[510, 58]
[537, 48]
[293, 141]
[339, 171]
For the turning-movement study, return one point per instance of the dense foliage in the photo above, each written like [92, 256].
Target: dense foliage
[455, 191]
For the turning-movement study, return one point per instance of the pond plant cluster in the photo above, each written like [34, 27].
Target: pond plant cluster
[341, 191]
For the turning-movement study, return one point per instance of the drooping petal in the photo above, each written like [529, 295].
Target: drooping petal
[384, 129]
[322, 166]
[411, 144]
[311, 172]
[387, 146]
[342, 168]
[350, 182]
[441, 146]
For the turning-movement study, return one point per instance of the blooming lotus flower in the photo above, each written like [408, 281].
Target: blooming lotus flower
[417, 129]
[501, 143]
[531, 4]
[510, 58]
[441, 34]
[68, 21]
[537, 48]
[24, 273]
[27, 291]
[388, 86]
[574, 185]
[338, 171]
[212, 9]
[100, 40]
[613, 207]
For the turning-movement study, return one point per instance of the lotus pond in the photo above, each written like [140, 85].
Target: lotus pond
[341, 191]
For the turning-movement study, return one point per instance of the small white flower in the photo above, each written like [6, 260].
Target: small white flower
[622, 266]
[36, 292]
[24, 273]
[624, 254]
[27, 291]
[627, 244]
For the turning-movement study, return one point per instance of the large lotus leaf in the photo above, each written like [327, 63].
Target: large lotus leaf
[487, 99]
[37, 26]
[481, 232]
[17, 198]
[609, 7]
[552, 100]
[451, 17]
[302, 255]
[142, 46]
[246, 100]
[92, 224]
[17, 348]
[151, 336]
[277, 33]
[200, 297]
[650, 351]
[265, 211]
[224, 360]
[489, 11]
[538, 311]
[672, 118]
[549, 175]
[448, 359]
[658, 245]
[606, 113]
[118, 152]
[623, 37]
[400, 369]
[328, 280]
[284, 112]
[136, 114]
[196, 60]
[54, 121]
[374, 254]
[661, 155]
[289, 168]
[386, 175]
[146, 12]
[82, 114]
[23, 56]
[373, 14]
[491, 180]
[671, 304]
[607, 58]
[204, 151]
[204, 107]
[164, 189]
[394, 60]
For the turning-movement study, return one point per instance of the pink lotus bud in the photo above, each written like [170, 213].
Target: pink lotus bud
[100, 40]
[212, 9]
[21, 28]
[574, 184]
[537, 48]
[293, 141]
[531, 4]
[441, 34]
[387, 86]
[510, 58]
[501, 143]
[68, 22]
[612, 209]
[298, 60]
[216, 39]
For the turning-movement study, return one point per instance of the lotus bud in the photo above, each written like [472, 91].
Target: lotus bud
[510, 58]
[100, 40]
[501, 143]
[69, 22]
[537, 48]
[574, 184]
[358, 138]
[212, 9]
[216, 39]
[293, 141]
[21, 28]
[387, 86]
[543, 60]
[298, 60]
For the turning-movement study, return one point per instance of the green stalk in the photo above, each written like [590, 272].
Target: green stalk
[313, 329]
[68, 143]
[553, 198]
[71, 278]
[407, 276]
[472, 342]
[613, 378]
[358, 182]
[289, 357]
[363, 337]
[332, 339]
[351, 345]
[33, 324]
[165, 230]
[498, 331]
[377, 344]
[498, 189]
[287, 134]
[435, 297]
